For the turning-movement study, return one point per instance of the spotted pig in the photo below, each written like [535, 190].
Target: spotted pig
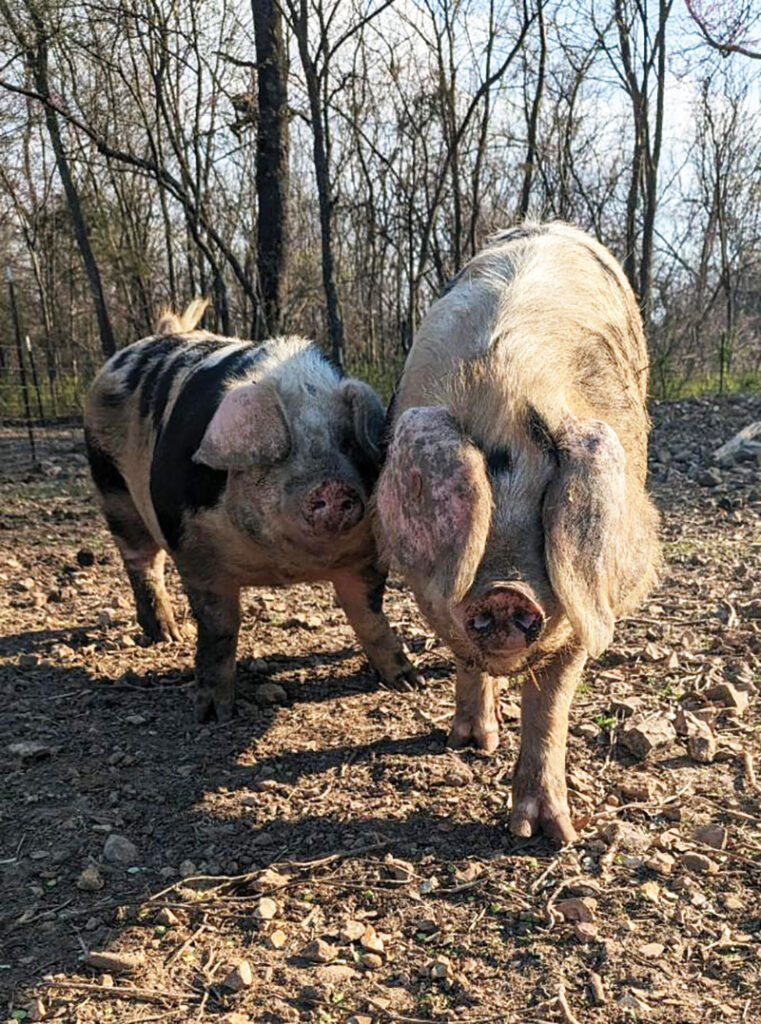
[251, 465]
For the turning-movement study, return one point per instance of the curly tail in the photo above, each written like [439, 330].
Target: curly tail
[170, 322]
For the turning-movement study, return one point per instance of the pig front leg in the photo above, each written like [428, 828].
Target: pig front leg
[218, 618]
[477, 715]
[361, 597]
[540, 798]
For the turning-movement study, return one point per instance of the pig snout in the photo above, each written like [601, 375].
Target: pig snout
[504, 619]
[332, 508]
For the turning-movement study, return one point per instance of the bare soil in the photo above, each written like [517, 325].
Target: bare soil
[390, 849]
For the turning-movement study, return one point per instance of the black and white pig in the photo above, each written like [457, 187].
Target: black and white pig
[513, 496]
[252, 465]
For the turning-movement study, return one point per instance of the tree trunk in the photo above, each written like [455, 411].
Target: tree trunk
[322, 177]
[271, 166]
[534, 116]
[38, 63]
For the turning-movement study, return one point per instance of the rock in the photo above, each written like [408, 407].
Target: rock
[240, 977]
[625, 706]
[585, 931]
[728, 696]
[652, 950]
[237, 1018]
[642, 734]
[85, 558]
[187, 869]
[352, 931]
[166, 917]
[119, 850]
[270, 693]
[638, 791]
[277, 939]
[732, 902]
[576, 909]
[370, 940]
[114, 963]
[587, 730]
[319, 952]
[28, 660]
[599, 995]
[698, 863]
[710, 477]
[90, 880]
[271, 879]
[701, 741]
[29, 750]
[711, 835]
[265, 909]
[359, 1018]
[660, 862]
[440, 968]
[336, 974]
[371, 961]
[106, 980]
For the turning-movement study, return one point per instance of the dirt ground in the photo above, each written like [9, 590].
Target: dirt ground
[332, 825]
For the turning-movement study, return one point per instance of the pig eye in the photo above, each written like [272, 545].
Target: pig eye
[498, 460]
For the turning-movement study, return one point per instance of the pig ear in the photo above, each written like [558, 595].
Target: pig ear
[247, 429]
[589, 547]
[368, 416]
[434, 501]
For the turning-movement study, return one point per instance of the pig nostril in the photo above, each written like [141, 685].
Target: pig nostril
[482, 623]
[529, 624]
[347, 505]
[318, 506]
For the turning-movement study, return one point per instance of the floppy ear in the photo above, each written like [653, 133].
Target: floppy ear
[598, 537]
[368, 416]
[248, 429]
[434, 501]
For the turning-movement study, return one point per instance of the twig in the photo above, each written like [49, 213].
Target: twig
[181, 949]
[563, 1003]
[750, 770]
[148, 994]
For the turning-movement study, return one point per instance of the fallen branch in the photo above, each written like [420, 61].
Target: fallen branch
[148, 994]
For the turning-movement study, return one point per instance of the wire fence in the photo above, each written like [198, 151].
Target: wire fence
[38, 389]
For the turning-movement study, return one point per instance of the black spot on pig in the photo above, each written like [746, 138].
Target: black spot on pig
[539, 432]
[151, 352]
[375, 597]
[104, 470]
[177, 483]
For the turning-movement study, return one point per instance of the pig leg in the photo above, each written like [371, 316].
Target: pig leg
[144, 561]
[218, 618]
[477, 715]
[361, 597]
[540, 799]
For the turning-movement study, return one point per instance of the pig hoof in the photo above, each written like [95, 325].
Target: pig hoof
[406, 680]
[472, 732]
[161, 630]
[542, 813]
[209, 709]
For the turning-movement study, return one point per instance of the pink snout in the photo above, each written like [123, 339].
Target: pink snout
[332, 508]
[505, 619]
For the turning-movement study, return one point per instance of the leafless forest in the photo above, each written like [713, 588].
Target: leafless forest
[325, 167]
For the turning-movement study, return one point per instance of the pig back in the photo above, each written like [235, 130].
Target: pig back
[543, 319]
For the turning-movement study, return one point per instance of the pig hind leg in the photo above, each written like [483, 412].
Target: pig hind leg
[144, 561]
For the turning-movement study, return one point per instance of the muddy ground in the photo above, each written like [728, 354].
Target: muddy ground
[389, 856]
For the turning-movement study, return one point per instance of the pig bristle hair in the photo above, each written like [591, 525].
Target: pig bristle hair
[169, 322]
